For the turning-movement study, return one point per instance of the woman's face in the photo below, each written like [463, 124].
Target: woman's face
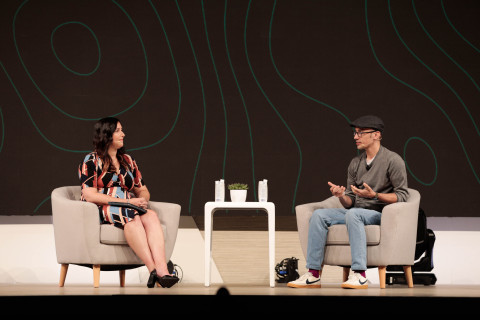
[117, 137]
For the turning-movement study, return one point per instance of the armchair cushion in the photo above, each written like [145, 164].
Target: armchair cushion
[338, 235]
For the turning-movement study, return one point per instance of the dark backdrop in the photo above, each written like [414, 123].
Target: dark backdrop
[244, 90]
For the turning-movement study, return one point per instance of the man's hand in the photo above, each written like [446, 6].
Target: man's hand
[337, 191]
[365, 193]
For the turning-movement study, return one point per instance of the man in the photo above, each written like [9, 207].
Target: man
[376, 177]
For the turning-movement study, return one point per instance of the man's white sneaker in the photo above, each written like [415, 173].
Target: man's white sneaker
[305, 281]
[355, 281]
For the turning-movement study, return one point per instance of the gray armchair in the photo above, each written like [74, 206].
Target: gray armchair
[391, 243]
[80, 239]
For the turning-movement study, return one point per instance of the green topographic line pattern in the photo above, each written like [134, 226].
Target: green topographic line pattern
[129, 149]
[274, 108]
[204, 107]
[443, 51]
[241, 97]
[60, 60]
[36, 128]
[48, 99]
[41, 203]
[434, 158]
[31, 118]
[220, 89]
[416, 90]
[178, 85]
[286, 81]
[455, 29]
[428, 68]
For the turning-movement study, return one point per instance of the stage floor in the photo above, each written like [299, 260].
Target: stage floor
[244, 299]
[329, 289]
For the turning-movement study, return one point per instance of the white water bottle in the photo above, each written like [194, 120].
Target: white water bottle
[222, 190]
[262, 191]
[219, 191]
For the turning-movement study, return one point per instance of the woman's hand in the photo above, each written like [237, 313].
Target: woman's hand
[139, 202]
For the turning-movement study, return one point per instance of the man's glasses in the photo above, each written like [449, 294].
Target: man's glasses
[361, 133]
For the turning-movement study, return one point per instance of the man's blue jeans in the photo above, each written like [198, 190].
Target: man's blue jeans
[355, 218]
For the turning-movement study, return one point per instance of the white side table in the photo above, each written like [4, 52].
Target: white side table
[211, 207]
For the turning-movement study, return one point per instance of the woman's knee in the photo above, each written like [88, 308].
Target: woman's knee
[150, 212]
[150, 217]
[134, 223]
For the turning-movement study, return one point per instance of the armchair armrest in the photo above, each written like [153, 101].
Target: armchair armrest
[76, 228]
[398, 230]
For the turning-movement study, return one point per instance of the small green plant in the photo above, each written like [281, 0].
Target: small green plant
[238, 186]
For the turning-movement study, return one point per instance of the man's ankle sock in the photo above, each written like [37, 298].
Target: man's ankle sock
[362, 273]
[315, 273]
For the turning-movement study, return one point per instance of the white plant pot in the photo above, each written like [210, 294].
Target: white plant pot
[238, 195]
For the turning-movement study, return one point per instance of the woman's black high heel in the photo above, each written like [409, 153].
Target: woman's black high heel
[152, 279]
[167, 280]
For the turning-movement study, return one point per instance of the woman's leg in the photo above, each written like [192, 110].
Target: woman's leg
[156, 241]
[137, 240]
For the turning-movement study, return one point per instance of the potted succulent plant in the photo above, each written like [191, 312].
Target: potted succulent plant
[238, 192]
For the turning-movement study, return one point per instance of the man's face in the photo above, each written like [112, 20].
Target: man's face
[365, 137]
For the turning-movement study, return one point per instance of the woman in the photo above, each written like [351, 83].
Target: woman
[109, 175]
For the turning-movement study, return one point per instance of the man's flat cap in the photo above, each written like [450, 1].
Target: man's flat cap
[370, 122]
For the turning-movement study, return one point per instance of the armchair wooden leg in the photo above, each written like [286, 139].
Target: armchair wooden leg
[382, 275]
[63, 274]
[96, 275]
[346, 272]
[122, 278]
[408, 275]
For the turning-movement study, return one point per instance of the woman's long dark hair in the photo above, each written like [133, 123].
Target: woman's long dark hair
[102, 139]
